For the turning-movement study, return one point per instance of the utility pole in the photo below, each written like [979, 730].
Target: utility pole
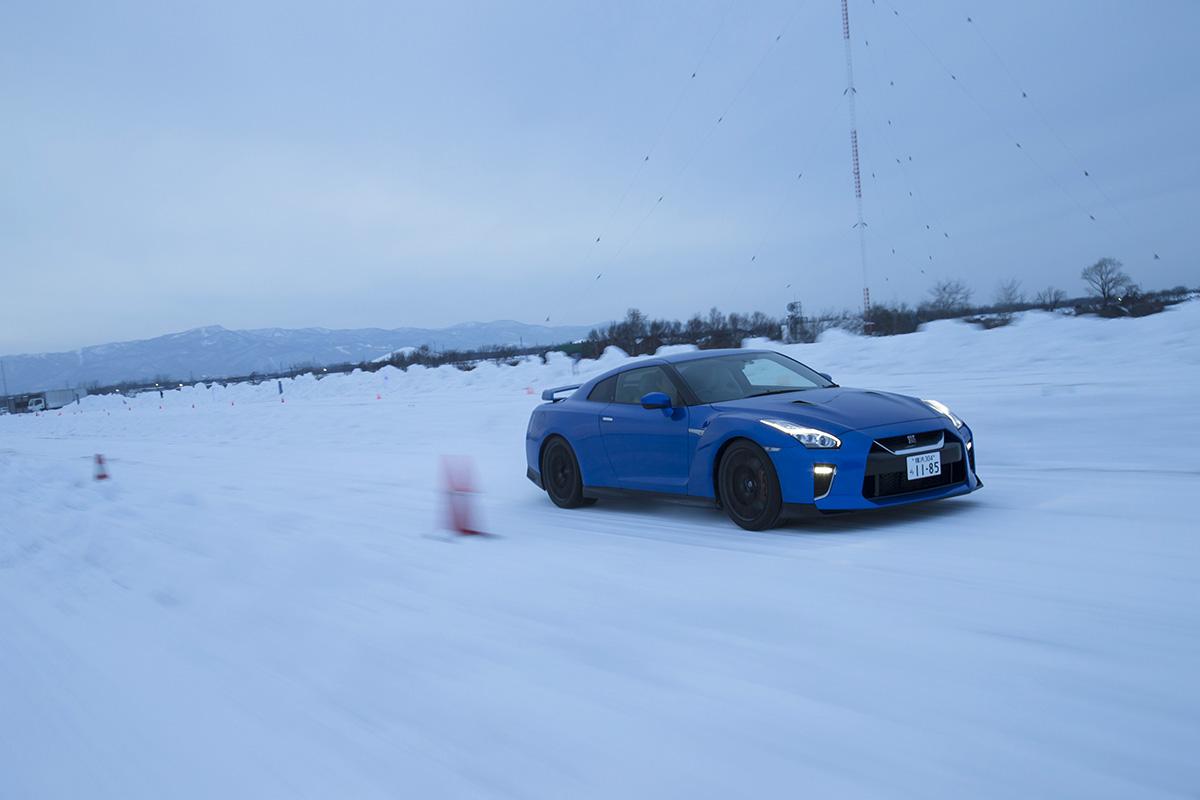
[850, 92]
[4, 377]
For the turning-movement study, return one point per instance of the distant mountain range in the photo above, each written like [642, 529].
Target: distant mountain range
[215, 352]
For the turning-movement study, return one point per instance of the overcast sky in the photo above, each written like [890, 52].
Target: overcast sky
[169, 165]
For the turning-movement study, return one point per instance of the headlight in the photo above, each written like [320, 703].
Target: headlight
[944, 410]
[809, 437]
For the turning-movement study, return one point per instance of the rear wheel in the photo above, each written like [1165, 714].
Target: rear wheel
[561, 477]
[749, 486]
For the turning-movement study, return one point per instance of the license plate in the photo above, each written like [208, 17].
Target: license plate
[926, 465]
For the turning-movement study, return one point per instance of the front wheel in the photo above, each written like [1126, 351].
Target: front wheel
[749, 486]
[561, 477]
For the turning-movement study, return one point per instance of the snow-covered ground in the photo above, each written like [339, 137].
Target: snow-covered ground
[260, 602]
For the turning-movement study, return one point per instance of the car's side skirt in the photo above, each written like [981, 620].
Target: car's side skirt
[791, 511]
[612, 492]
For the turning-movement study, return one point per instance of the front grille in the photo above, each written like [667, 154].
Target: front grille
[890, 484]
[886, 474]
[909, 441]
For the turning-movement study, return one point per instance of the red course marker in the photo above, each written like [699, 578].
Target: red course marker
[459, 483]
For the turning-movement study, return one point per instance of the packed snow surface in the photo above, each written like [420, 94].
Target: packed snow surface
[261, 602]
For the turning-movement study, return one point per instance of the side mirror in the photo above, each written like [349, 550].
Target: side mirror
[656, 400]
[826, 376]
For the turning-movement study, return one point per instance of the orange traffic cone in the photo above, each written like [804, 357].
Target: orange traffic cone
[101, 469]
[457, 476]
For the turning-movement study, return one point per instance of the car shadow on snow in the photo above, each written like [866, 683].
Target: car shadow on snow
[665, 513]
[954, 509]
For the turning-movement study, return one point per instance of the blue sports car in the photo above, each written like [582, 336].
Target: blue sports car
[752, 431]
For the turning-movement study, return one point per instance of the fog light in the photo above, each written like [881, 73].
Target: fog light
[822, 479]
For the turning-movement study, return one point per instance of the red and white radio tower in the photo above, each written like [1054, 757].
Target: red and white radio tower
[850, 92]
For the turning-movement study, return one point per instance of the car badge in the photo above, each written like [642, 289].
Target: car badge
[912, 439]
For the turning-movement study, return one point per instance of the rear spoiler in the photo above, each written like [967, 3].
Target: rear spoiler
[550, 394]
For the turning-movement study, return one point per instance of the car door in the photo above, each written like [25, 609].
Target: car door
[647, 447]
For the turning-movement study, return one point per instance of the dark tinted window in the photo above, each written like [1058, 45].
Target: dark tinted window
[635, 384]
[602, 392]
[734, 377]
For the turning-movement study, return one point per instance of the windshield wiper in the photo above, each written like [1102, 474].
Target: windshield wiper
[776, 391]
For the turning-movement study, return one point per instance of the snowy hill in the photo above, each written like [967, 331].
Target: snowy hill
[261, 601]
[216, 352]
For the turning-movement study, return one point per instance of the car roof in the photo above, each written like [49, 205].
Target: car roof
[673, 358]
[696, 355]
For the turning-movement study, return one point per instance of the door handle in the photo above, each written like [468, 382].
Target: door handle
[606, 419]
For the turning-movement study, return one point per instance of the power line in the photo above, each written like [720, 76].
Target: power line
[786, 196]
[987, 112]
[703, 140]
[1046, 122]
[636, 173]
[911, 187]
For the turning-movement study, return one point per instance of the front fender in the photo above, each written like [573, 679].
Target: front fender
[715, 431]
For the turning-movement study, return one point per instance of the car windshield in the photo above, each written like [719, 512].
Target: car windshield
[733, 377]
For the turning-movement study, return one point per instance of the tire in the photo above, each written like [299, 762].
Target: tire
[749, 486]
[561, 477]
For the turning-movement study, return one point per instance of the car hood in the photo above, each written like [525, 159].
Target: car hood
[835, 409]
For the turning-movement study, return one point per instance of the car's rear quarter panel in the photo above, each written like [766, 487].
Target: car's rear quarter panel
[577, 421]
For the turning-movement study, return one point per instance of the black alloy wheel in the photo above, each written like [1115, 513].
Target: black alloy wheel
[749, 487]
[560, 475]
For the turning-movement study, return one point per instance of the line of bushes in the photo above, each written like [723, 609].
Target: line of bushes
[1111, 294]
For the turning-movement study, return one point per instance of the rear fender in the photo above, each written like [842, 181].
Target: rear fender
[579, 424]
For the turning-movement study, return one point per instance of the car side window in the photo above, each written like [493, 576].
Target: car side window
[633, 385]
[603, 391]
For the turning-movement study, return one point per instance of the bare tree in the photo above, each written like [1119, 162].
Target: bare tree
[1050, 298]
[949, 297]
[737, 326]
[763, 326]
[1105, 279]
[1009, 295]
[716, 320]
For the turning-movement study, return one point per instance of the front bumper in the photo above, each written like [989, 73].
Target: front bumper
[867, 476]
